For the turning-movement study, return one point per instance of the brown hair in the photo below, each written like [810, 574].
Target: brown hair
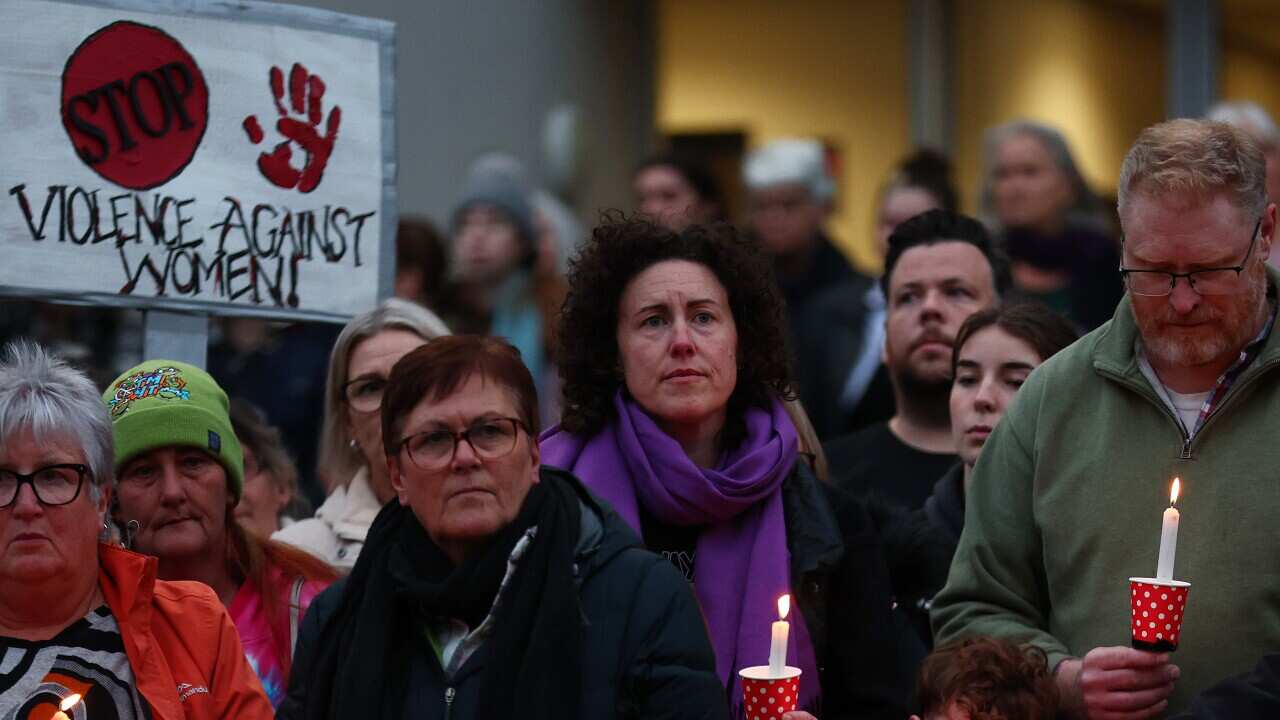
[989, 679]
[435, 370]
[260, 437]
[1195, 157]
[1044, 330]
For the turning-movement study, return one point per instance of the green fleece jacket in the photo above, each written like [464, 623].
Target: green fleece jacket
[1066, 506]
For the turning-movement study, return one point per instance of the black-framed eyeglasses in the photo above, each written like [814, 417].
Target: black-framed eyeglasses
[1210, 281]
[52, 484]
[490, 439]
[364, 394]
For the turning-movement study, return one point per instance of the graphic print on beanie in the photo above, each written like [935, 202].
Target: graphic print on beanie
[165, 383]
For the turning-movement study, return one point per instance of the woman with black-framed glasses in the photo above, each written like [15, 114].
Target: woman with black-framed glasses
[86, 628]
[351, 467]
[528, 596]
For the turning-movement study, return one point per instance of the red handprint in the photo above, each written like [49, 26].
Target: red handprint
[305, 93]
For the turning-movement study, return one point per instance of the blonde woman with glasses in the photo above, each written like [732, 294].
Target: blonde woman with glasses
[351, 462]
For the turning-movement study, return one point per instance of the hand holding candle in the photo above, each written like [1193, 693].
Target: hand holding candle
[778, 644]
[1169, 535]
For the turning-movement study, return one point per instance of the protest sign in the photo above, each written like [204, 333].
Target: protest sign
[227, 158]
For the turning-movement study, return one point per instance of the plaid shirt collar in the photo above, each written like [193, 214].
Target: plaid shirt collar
[1228, 378]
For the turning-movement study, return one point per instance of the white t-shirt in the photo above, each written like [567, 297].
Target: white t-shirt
[1188, 406]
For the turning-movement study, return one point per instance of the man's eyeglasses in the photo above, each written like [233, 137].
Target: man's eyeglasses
[1210, 281]
[489, 439]
[52, 484]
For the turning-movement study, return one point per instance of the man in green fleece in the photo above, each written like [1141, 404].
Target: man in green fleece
[1067, 497]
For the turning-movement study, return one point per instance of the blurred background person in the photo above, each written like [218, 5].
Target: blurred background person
[508, 284]
[843, 382]
[1255, 121]
[941, 268]
[530, 598]
[675, 371]
[422, 265]
[789, 198]
[986, 679]
[676, 192]
[79, 617]
[280, 368]
[180, 474]
[270, 498]
[1059, 235]
[351, 454]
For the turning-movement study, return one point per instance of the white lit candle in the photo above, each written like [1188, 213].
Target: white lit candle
[778, 644]
[67, 703]
[1169, 535]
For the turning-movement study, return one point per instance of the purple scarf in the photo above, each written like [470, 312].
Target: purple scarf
[742, 560]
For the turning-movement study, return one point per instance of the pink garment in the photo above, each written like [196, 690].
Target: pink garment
[267, 652]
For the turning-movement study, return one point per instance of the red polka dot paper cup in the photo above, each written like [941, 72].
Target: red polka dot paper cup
[1158, 607]
[766, 696]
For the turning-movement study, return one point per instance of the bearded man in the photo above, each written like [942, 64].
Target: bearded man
[1180, 382]
[940, 269]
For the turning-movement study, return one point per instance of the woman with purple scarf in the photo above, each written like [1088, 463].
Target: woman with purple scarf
[675, 371]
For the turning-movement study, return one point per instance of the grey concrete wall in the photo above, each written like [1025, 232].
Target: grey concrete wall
[480, 76]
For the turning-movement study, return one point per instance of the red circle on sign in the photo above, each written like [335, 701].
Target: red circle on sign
[134, 104]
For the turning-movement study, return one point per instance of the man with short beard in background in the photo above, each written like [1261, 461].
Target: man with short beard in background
[940, 269]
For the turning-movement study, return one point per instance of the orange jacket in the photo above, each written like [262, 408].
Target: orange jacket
[186, 657]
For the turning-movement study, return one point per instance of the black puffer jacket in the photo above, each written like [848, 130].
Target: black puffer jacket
[841, 586]
[647, 654]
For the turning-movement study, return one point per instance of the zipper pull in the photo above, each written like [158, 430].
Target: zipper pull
[1186, 449]
[449, 692]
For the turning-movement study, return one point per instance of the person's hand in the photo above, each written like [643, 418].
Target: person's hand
[798, 715]
[1117, 683]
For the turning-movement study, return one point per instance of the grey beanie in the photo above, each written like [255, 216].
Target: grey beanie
[508, 194]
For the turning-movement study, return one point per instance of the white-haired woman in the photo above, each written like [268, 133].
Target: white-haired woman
[86, 629]
[1059, 235]
[351, 462]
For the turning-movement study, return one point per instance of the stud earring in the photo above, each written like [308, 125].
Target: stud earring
[354, 445]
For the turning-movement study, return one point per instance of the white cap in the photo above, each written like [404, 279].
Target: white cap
[789, 161]
[1247, 116]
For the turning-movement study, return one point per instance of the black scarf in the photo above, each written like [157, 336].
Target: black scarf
[534, 653]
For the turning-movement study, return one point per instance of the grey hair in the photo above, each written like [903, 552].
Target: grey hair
[798, 161]
[338, 460]
[1195, 157]
[41, 393]
[1086, 209]
[1251, 118]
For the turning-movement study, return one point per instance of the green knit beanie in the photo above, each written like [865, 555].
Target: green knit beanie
[162, 403]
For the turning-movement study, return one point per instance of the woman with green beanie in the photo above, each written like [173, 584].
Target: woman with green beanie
[180, 473]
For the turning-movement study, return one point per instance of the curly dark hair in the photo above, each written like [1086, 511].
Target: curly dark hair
[622, 247]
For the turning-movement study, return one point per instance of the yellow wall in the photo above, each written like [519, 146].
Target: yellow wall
[1096, 72]
[826, 68]
[1250, 74]
[839, 70]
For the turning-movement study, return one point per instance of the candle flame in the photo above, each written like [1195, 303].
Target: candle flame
[69, 702]
[1173, 492]
[784, 606]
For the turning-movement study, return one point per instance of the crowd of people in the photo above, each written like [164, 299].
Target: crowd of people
[571, 477]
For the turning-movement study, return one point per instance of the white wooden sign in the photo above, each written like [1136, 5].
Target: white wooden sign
[231, 158]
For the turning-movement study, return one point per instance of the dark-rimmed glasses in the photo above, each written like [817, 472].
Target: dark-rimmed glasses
[1210, 281]
[364, 394]
[489, 438]
[53, 484]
